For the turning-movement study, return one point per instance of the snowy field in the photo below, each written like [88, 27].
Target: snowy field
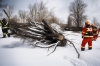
[13, 52]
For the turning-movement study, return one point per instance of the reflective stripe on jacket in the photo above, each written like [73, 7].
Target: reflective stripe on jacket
[87, 32]
[0, 24]
[5, 26]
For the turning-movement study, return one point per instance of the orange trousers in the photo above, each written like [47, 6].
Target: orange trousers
[86, 40]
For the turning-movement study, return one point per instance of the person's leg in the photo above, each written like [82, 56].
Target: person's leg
[4, 33]
[83, 44]
[8, 35]
[7, 32]
[90, 43]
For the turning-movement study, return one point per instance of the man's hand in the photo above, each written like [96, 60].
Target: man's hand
[82, 36]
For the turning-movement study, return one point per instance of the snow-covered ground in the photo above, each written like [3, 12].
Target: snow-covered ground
[13, 52]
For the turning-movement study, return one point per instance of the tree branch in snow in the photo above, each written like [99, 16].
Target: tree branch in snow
[54, 47]
[74, 47]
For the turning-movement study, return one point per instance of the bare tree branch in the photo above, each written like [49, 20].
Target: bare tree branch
[74, 47]
[77, 10]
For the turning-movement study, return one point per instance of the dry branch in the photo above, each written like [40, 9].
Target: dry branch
[74, 47]
[54, 47]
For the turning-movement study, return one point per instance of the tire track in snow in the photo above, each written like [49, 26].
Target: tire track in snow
[72, 61]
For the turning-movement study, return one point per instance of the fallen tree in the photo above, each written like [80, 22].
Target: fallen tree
[42, 32]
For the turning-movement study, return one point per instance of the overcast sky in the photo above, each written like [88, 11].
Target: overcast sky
[61, 7]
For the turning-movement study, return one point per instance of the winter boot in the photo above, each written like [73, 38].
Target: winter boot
[4, 36]
[89, 48]
[8, 35]
[82, 49]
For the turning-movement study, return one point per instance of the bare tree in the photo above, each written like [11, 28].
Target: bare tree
[52, 19]
[15, 18]
[77, 10]
[28, 18]
[9, 11]
[95, 21]
[39, 11]
[22, 15]
[69, 22]
[31, 11]
[42, 10]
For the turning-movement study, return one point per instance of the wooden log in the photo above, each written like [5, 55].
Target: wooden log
[47, 27]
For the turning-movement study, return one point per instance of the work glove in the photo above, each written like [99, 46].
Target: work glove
[82, 36]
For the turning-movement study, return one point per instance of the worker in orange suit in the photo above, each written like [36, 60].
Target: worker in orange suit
[95, 32]
[87, 35]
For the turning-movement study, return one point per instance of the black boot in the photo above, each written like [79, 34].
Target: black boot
[89, 48]
[4, 36]
[8, 35]
[82, 49]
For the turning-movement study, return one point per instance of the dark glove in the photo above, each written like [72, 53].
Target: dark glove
[82, 36]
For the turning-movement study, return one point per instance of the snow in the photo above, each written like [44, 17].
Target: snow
[13, 52]
[56, 27]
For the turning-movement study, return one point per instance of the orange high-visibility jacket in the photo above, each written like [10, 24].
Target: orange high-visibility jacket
[87, 32]
[96, 32]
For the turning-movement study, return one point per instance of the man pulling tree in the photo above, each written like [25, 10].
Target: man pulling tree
[5, 27]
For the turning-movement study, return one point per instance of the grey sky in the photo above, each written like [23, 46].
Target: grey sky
[61, 7]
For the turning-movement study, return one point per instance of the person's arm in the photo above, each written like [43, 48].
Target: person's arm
[83, 31]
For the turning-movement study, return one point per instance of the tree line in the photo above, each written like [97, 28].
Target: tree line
[39, 11]
[77, 15]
